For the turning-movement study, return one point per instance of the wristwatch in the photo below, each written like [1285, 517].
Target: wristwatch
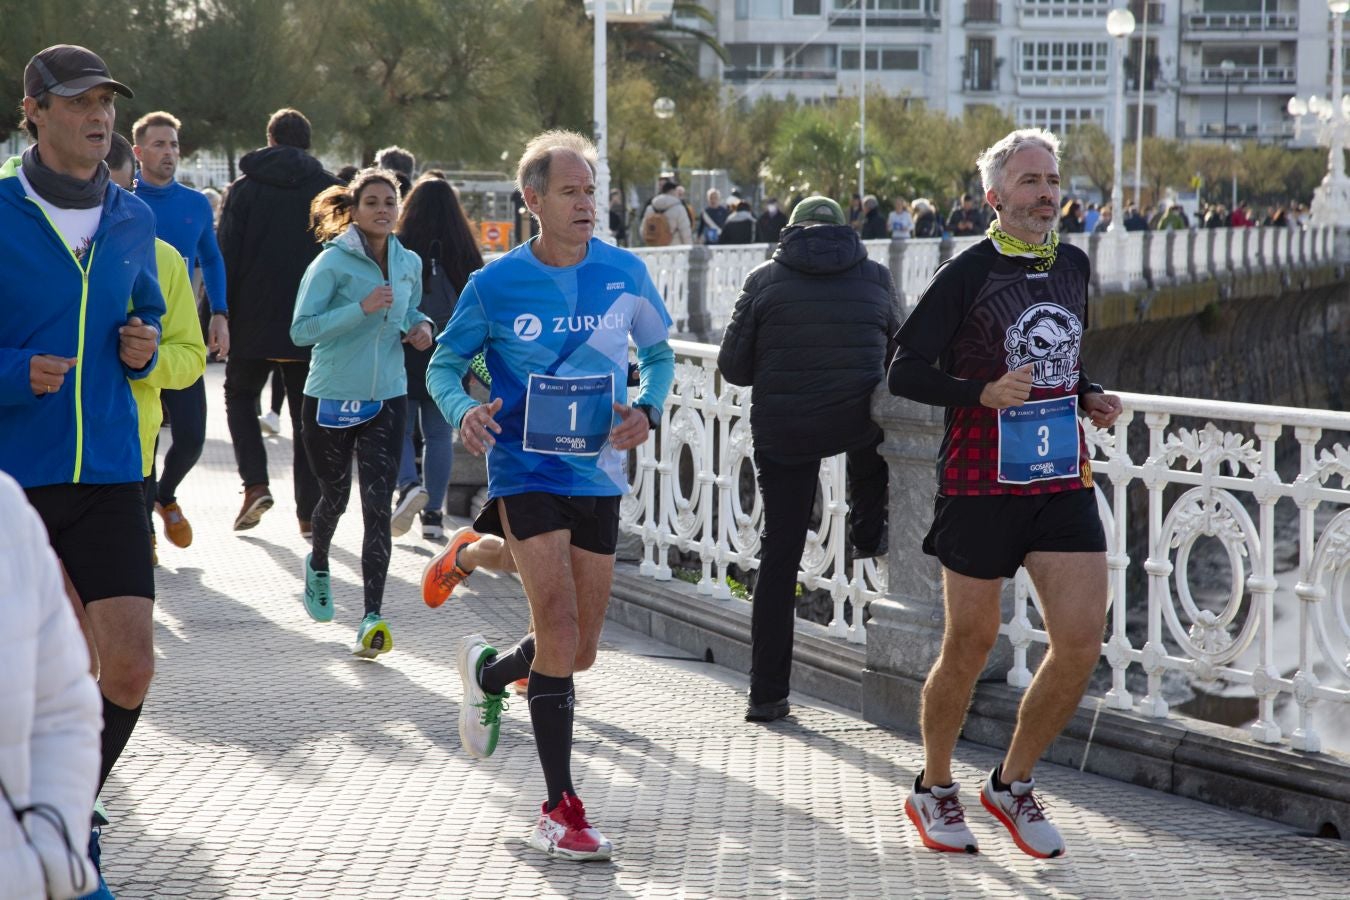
[653, 414]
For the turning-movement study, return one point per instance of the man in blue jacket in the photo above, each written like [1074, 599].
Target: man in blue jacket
[183, 218]
[80, 308]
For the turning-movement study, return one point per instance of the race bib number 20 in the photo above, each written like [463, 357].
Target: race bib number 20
[1038, 441]
[569, 415]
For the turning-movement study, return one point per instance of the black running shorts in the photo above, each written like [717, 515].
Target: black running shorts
[592, 521]
[989, 537]
[101, 534]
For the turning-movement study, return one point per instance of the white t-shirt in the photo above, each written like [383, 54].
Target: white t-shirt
[76, 226]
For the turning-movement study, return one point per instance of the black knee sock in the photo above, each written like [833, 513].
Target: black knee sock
[118, 723]
[507, 667]
[551, 716]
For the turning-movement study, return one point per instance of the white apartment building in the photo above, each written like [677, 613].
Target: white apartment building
[1044, 62]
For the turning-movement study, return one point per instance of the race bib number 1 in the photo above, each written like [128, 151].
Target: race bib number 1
[568, 415]
[1038, 441]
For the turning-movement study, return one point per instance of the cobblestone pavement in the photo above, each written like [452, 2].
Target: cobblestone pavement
[271, 763]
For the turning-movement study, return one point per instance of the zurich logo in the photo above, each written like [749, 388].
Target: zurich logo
[528, 327]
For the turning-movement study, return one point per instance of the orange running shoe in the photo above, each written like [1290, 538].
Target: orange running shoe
[521, 686]
[443, 574]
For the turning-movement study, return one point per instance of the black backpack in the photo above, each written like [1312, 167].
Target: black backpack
[438, 294]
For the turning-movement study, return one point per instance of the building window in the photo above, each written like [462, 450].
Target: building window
[1060, 119]
[1065, 57]
[1132, 120]
[806, 7]
[752, 57]
[882, 59]
[759, 9]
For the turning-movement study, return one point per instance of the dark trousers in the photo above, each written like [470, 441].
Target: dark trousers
[187, 427]
[378, 445]
[244, 383]
[789, 491]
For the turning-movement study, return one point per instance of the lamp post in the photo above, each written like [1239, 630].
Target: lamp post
[630, 11]
[1226, 68]
[862, 97]
[1120, 25]
[1141, 73]
[1331, 201]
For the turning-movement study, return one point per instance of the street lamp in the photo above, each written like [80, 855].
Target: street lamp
[663, 107]
[1331, 201]
[620, 11]
[1226, 68]
[1120, 25]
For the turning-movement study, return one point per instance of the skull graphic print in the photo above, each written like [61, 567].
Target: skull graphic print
[1049, 337]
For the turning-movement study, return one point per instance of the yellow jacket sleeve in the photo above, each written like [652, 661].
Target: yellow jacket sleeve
[182, 352]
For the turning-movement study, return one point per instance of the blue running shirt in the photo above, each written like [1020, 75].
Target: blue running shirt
[566, 322]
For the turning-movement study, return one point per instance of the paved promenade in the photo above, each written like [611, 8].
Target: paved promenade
[271, 763]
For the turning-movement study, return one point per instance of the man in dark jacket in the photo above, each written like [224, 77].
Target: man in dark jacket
[267, 243]
[810, 333]
[771, 222]
[874, 223]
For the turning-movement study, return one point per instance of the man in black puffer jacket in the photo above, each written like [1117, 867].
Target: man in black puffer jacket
[267, 243]
[810, 333]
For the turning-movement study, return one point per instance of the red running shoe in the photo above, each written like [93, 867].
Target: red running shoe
[566, 833]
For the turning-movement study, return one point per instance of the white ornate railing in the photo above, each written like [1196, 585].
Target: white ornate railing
[691, 485]
[701, 284]
[1276, 637]
[1281, 636]
[669, 268]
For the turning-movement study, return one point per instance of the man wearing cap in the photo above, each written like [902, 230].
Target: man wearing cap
[809, 333]
[80, 309]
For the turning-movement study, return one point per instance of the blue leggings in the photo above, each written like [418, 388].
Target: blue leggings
[438, 447]
[187, 427]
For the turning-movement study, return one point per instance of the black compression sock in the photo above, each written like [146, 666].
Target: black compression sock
[118, 723]
[507, 667]
[551, 716]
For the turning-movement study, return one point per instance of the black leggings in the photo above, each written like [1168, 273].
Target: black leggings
[378, 445]
[187, 426]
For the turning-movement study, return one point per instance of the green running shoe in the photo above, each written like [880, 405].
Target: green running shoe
[373, 637]
[480, 713]
[318, 593]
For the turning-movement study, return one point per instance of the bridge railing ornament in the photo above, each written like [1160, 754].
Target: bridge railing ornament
[694, 497]
[694, 494]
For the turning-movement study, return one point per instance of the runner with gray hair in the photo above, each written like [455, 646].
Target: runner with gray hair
[1014, 483]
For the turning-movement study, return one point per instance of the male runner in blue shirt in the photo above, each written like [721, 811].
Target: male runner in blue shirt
[553, 318]
[184, 219]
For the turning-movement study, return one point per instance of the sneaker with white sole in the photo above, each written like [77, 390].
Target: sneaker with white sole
[940, 818]
[410, 502]
[269, 422]
[480, 713]
[565, 832]
[433, 525]
[1024, 817]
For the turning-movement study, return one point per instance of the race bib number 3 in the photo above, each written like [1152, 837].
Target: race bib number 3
[1038, 441]
[568, 415]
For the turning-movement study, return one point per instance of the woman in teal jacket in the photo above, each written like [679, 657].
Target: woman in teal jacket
[357, 303]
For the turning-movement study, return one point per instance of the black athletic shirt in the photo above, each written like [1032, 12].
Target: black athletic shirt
[983, 314]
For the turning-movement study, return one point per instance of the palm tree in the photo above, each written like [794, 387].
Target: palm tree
[666, 48]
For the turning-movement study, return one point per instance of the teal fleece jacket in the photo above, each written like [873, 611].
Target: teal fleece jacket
[356, 356]
[52, 303]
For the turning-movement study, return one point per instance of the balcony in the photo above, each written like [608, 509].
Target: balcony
[742, 74]
[1062, 12]
[925, 14]
[1213, 76]
[1259, 130]
[1259, 22]
[1039, 84]
[983, 12]
[1152, 71]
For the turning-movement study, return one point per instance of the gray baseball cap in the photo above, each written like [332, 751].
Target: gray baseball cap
[68, 71]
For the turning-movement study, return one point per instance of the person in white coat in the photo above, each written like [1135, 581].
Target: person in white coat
[50, 718]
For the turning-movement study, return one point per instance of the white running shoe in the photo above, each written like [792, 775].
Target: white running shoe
[410, 503]
[941, 819]
[480, 713]
[1024, 817]
[270, 422]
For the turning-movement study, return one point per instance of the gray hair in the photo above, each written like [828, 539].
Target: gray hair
[538, 157]
[992, 161]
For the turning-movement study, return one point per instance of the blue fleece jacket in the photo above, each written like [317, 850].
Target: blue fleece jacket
[50, 303]
[184, 219]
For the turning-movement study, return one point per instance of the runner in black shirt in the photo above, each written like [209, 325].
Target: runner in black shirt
[1003, 322]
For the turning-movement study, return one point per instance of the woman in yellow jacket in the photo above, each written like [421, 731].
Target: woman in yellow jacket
[182, 352]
